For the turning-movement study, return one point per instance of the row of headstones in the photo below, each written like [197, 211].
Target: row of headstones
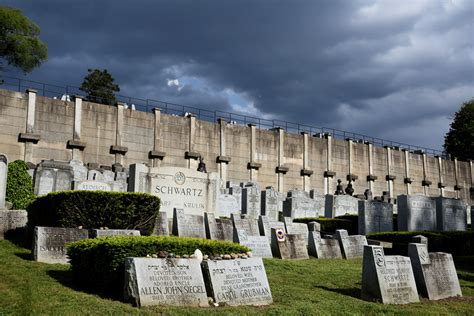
[52, 175]
[399, 279]
[266, 238]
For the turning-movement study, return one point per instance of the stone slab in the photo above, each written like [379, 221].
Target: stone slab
[416, 213]
[388, 279]
[227, 204]
[211, 226]
[435, 273]
[50, 243]
[266, 224]
[152, 281]
[451, 214]
[250, 225]
[225, 229]
[92, 185]
[296, 228]
[93, 233]
[351, 246]
[288, 246]
[338, 205]
[270, 203]
[11, 220]
[323, 248]
[161, 225]
[374, 217]
[251, 203]
[237, 282]
[258, 244]
[187, 225]
[299, 205]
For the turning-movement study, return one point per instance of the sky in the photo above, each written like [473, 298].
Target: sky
[392, 69]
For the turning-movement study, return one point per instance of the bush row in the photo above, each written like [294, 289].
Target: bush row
[99, 263]
[95, 209]
[456, 243]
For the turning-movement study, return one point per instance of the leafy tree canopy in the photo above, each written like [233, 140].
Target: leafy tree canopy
[19, 42]
[100, 87]
[459, 141]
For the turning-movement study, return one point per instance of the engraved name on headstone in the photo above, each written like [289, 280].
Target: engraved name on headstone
[416, 213]
[92, 185]
[178, 282]
[298, 204]
[94, 233]
[258, 244]
[451, 214]
[351, 246]
[250, 225]
[375, 216]
[49, 243]
[288, 246]
[186, 225]
[237, 282]
[435, 274]
[387, 278]
[323, 248]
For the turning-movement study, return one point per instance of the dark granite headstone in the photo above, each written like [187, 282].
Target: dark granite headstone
[225, 229]
[375, 217]
[451, 214]
[237, 282]
[211, 226]
[416, 213]
[323, 248]
[185, 225]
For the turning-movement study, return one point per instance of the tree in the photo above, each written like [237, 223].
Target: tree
[99, 86]
[19, 42]
[459, 141]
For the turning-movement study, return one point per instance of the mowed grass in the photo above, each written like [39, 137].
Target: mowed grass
[308, 287]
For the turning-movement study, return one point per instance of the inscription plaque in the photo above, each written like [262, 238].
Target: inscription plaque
[113, 232]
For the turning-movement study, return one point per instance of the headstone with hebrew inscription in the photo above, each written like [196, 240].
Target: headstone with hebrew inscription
[351, 246]
[435, 273]
[451, 214]
[388, 279]
[270, 202]
[288, 246]
[375, 217]
[298, 204]
[338, 205]
[251, 204]
[258, 244]
[12, 220]
[266, 224]
[176, 282]
[237, 282]
[50, 243]
[94, 233]
[323, 248]
[187, 225]
[416, 213]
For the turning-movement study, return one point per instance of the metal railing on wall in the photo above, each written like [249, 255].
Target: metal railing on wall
[65, 92]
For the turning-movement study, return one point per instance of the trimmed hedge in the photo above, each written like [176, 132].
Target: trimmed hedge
[95, 209]
[19, 185]
[454, 242]
[329, 225]
[99, 263]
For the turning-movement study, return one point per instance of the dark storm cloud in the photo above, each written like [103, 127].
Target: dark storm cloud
[389, 69]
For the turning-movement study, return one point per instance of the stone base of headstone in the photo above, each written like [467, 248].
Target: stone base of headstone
[237, 282]
[323, 248]
[388, 279]
[435, 273]
[11, 221]
[178, 282]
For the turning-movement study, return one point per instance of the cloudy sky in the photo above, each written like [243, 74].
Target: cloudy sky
[394, 69]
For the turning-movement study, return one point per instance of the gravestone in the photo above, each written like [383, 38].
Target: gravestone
[108, 176]
[435, 274]
[79, 170]
[161, 225]
[266, 224]
[416, 213]
[351, 246]
[298, 204]
[270, 203]
[49, 243]
[227, 204]
[95, 175]
[388, 279]
[186, 225]
[250, 225]
[3, 180]
[296, 228]
[338, 205]
[451, 214]
[92, 185]
[237, 282]
[314, 227]
[319, 200]
[251, 204]
[153, 281]
[225, 229]
[374, 217]
[10, 220]
[288, 246]
[323, 248]
[236, 191]
[258, 244]
[211, 226]
[420, 239]
[53, 176]
[94, 233]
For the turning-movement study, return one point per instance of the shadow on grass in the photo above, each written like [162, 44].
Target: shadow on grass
[353, 292]
[66, 278]
[24, 256]
[466, 277]
[19, 237]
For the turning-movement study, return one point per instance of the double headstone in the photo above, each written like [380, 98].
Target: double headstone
[52, 176]
[435, 273]
[288, 246]
[323, 248]
[351, 246]
[150, 281]
[416, 213]
[50, 243]
[298, 204]
[451, 214]
[375, 217]
[237, 282]
[338, 205]
[388, 279]
[186, 225]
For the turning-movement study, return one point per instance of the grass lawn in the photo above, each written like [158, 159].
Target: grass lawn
[308, 287]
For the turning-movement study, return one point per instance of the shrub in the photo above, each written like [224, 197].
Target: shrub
[19, 185]
[99, 262]
[329, 225]
[454, 242]
[94, 209]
